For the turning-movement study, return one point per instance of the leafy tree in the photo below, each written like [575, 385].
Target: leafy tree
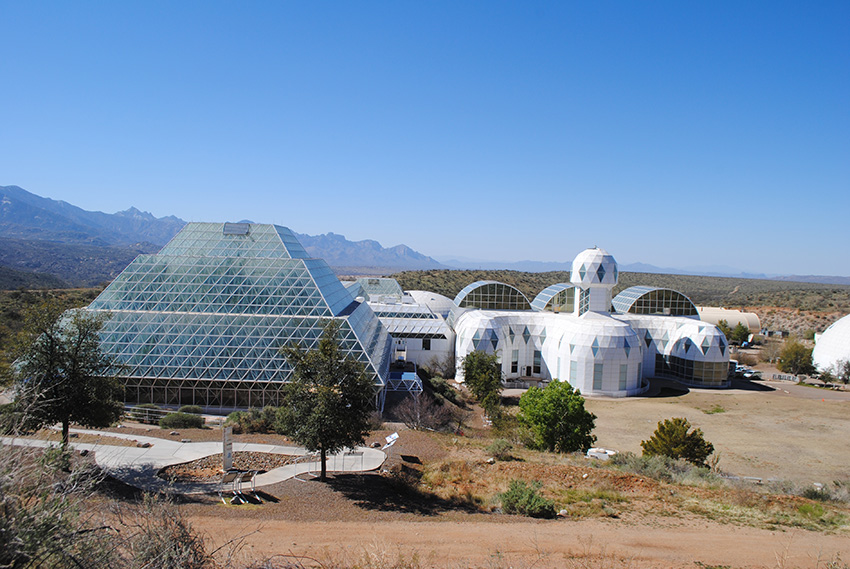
[795, 358]
[482, 373]
[673, 438]
[327, 405]
[557, 418]
[61, 374]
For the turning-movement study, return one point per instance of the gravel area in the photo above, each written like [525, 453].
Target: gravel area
[209, 469]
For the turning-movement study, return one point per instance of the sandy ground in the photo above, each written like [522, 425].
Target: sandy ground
[557, 543]
[767, 429]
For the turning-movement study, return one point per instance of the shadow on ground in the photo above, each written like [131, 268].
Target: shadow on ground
[747, 385]
[382, 493]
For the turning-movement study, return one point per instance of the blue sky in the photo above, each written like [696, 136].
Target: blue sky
[672, 133]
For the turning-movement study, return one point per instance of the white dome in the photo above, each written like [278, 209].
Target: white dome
[698, 342]
[833, 345]
[594, 266]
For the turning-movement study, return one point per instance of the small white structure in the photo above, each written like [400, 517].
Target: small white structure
[600, 453]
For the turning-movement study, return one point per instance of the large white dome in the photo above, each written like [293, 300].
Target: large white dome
[594, 266]
[833, 345]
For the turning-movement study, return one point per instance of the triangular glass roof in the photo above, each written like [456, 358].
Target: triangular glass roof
[217, 304]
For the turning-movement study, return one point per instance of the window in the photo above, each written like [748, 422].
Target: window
[573, 371]
[597, 377]
[426, 344]
[624, 376]
[537, 358]
[514, 361]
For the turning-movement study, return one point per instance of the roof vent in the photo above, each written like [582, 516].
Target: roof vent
[236, 228]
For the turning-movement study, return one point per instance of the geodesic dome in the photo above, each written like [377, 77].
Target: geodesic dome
[833, 345]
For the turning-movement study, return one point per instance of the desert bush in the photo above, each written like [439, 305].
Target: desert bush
[193, 409]
[664, 468]
[181, 421]
[746, 359]
[158, 536]
[43, 523]
[526, 500]
[424, 412]
[253, 420]
[500, 449]
[146, 413]
[442, 388]
[673, 438]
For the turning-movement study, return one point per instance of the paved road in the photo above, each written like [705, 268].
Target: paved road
[138, 466]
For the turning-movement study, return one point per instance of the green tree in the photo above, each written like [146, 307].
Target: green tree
[61, 375]
[557, 418]
[723, 325]
[482, 373]
[327, 405]
[740, 333]
[795, 358]
[673, 438]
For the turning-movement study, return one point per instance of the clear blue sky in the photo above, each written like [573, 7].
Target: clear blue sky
[672, 133]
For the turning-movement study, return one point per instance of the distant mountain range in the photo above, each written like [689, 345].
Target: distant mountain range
[50, 243]
[45, 242]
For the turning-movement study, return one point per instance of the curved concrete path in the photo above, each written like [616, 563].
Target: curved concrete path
[138, 466]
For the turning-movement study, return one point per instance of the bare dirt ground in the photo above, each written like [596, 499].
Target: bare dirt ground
[767, 429]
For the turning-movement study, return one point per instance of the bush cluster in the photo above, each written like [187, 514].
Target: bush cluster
[253, 420]
[181, 421]
[664, 468]
[193, 409]
[526, 500]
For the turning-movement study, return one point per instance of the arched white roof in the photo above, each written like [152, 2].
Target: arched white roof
[833, 345]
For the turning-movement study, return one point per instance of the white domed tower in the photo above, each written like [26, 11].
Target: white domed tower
[595, 275]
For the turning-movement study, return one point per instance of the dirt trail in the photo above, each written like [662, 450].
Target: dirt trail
[556, 543]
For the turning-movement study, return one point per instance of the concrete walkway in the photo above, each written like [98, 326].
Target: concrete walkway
[138, 466]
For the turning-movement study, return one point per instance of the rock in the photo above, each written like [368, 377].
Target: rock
[185, 440]
[143, 445]
[583, 476]
[563, 513]
[491, 460]
[84, 452]
[173, 433]
[375, 445]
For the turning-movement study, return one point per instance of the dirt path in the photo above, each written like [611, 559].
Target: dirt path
[557, 543]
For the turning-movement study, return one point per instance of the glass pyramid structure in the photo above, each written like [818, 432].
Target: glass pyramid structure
[202, 321]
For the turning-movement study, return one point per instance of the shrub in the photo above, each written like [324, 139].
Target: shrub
[500, 449]
[525, 499]
[146, 413]
[557, 418]
[193, 409]
[673, 439]
[253, 420]
[442, 388]
[181, 421]
[664, 468]
[424, 412]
